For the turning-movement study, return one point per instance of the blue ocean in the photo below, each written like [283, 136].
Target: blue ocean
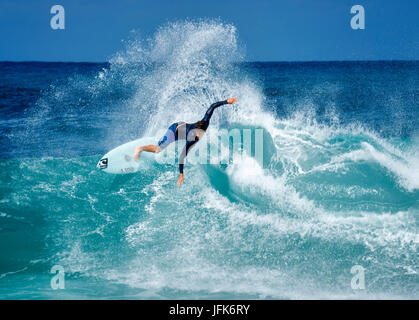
[338, 187]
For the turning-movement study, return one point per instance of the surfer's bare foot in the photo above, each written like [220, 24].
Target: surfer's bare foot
[137, 153]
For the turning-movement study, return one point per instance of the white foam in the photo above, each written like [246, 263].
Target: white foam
[406, 169]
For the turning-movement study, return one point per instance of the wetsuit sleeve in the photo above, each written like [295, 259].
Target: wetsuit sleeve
[211, 109]
[189, 145]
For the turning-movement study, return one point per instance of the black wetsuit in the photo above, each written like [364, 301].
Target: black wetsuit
[186, 131]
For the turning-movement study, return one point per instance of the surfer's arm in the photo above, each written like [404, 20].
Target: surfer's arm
[189, 145]
[215, 105]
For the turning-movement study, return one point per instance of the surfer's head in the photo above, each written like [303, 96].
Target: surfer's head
[201, 125]
[200, 128]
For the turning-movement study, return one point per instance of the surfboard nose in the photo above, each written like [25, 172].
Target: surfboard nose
[103, 163]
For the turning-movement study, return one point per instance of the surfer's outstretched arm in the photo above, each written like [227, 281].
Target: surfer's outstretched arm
[215, 105]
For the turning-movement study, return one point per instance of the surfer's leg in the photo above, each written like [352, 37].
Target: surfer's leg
[148, 148]
[167, 139]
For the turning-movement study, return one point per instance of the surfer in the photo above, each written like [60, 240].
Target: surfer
[190, 132]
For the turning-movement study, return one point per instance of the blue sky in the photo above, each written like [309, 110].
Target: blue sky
[275, 30]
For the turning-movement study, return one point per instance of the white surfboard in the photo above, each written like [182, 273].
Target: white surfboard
[121, 159]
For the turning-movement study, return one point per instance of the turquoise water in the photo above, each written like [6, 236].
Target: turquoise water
[338, 185]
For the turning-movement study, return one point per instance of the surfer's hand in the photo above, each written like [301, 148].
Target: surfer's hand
[231, 100]
[180, 181]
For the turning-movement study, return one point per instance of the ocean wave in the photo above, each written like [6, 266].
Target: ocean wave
[327, 195]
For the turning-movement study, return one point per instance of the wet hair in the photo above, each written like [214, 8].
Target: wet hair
[202, 125]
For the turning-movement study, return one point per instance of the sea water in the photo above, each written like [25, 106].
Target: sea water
[338, 189]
